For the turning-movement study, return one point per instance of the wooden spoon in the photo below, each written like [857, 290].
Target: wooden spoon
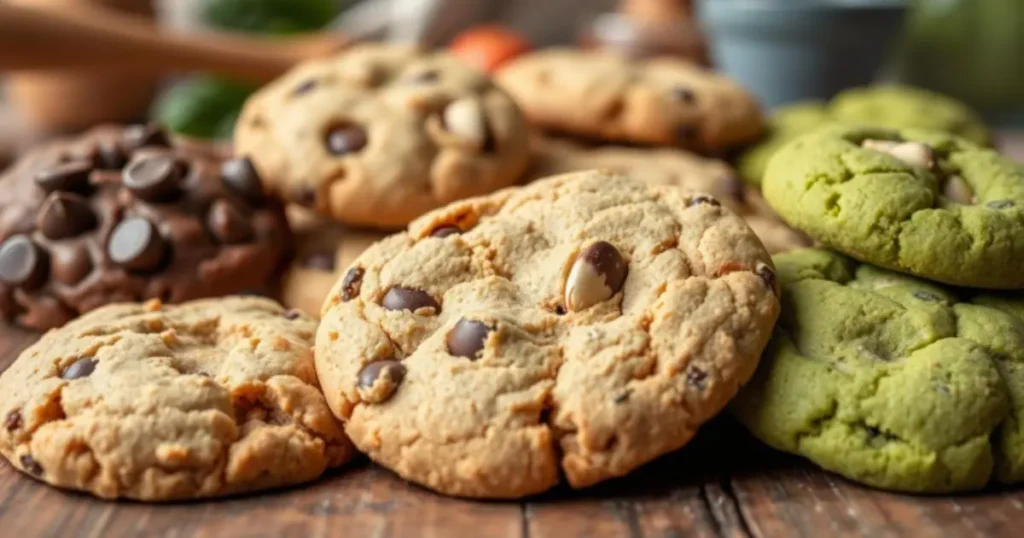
[94, 38]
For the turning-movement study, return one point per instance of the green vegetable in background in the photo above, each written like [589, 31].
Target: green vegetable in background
[207, 106]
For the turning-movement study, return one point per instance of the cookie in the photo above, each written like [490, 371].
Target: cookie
[919, 202]
[671, 167]
[605, 96]
[123, 214]
[143, 401]
[382, 134]
[324, 249]
[583, 325]
[889, 380]
[895, 107]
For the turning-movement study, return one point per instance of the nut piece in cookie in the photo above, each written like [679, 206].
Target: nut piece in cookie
[489, 361]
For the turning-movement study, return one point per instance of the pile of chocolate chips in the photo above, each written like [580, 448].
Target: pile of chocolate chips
[123, 214]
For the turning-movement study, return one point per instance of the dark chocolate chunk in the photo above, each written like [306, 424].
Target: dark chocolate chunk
[304, 87]
[598, 273]
[445, 230]
[31, 465]
[139, 136]
[154, 178]
[292, 314]
[228, 224]
[345, 138]
[351, 284]
[110, 156]
[240, 177]
[704, 199]
[305, 196]
[767, 275]
[13, 420]
[398, 298]
[467, 338]
[390, 370]
[65, 215]
[696, 378]
[136, 244]
[67, 176]
[23, 263]
[81, 368]
[70, 264]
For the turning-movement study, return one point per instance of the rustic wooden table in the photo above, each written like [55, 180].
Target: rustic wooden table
[723, 484]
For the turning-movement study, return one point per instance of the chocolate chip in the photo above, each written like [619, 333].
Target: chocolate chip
[68, 176]
[228, 224]
[1000, 204]
[304, 87]
[393, 372]
[31, 465]
[445, 230]
[351, 284]
[154, 178]
[685, 95]
[704, 199]
[926, 296]
[623, 397]
[70, 264]
[767, 275]
[425, 77]
[696, 378]
[109, 156]
[23, 263]
[13, 420]
[305, 196]
[79, 369]
[323, 261]
[292, 314]
[136, 244]
[398, 298]
[65, 215]
[138, 136]
[467, 338]
[345, 138]
[240, 177]
[560, 310]
[597, 274]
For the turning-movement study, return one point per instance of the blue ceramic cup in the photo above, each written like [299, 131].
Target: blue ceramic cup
[794, 50]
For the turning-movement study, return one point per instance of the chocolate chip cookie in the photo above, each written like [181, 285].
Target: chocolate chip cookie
[124, 214]
[382, 134]
[151, 402]
[583, 325]
[920, 202]
[889, 380]
[606, 96]
[671, 167]
[324, 249]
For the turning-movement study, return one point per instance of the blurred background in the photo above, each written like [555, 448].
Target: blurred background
[69, 64]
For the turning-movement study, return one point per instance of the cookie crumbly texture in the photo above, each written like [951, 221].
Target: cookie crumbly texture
[323, 249]
[957, 216]
[583, 324]
[889, 106]
[672, 167]
[156, 403]
[889, 380]
[381, 134]
[603, 95]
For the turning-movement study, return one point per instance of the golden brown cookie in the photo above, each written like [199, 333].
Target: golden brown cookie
[152, 402]
[606, 96]
[581, 325]
[380, 134]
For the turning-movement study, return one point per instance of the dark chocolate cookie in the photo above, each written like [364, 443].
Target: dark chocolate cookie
[124, 214]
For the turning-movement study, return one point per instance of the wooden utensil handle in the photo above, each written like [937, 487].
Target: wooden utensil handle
[91, 37]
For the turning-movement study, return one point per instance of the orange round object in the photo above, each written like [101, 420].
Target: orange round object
[488, 47]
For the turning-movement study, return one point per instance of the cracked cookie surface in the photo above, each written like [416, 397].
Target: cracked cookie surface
[890, 380]
[583, 325]
[154, 402]
[672, 167]
[606, 96]
[920, 202]
[379, 135]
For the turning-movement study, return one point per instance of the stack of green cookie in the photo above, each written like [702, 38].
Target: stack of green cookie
[898, 360]
[898, 107]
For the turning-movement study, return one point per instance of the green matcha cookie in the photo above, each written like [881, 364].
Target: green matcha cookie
[896, 107]
[889, 380]
[920, 202]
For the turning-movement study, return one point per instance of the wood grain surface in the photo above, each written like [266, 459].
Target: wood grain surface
[723, 484]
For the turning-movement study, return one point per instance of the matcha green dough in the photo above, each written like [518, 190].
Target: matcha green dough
[919, 202]
[889, 380]
[895, 107]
